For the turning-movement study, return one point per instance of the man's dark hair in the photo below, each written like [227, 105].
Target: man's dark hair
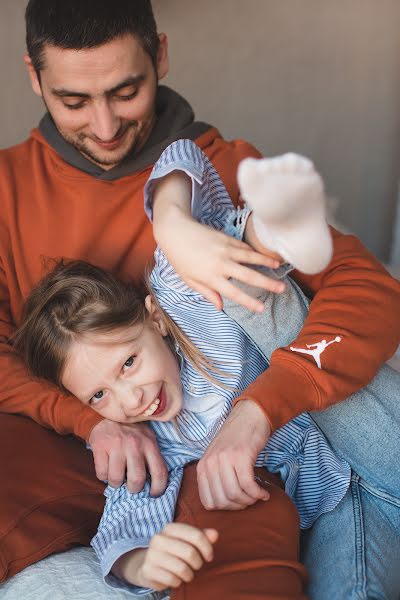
[79, 24]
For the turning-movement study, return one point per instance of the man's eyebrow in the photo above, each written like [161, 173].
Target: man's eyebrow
[128, 82]
[63, 93]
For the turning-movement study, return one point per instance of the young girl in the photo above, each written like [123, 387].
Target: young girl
[169, 357]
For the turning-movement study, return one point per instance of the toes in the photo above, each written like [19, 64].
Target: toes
[295, 163]
[288, 180]
[248, 171]
[287, 164]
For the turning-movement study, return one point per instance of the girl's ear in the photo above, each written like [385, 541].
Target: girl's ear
[156, 315]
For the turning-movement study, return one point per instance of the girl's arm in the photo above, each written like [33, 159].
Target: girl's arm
[189, 207]
[128, 524]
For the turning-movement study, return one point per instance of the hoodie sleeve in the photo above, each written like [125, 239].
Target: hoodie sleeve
[21, 394]
[352, 328]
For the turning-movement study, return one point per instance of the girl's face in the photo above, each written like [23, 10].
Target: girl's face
[128, 375]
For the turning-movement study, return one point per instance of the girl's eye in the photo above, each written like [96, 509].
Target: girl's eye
[97, 396]
[128, 363]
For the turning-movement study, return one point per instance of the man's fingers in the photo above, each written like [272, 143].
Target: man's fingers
[204, 490]
[116, 469]
[135, 473]
[211, 491]
[158, 471]
[219, 500]
[246, 481]
[100, 458]
[234, 491]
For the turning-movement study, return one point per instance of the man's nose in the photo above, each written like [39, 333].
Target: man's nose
[104, 123]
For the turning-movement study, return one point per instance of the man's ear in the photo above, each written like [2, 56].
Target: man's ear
[156, 316]
[33, 76]
[162, 57]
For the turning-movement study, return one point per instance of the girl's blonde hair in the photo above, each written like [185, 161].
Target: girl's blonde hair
[77, 298]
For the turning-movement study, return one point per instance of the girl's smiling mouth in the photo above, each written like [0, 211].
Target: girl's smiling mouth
[158, 406]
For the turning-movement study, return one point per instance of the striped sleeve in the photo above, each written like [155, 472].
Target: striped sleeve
[210, 201]
[129, 521]
[210, 204]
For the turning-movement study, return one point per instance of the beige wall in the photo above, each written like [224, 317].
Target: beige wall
[315, 76]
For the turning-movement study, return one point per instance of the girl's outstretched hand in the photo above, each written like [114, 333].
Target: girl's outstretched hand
[207, 259]
[173, 557]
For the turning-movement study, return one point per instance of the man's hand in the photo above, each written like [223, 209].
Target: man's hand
[225, 474]
[207, 259]
[121, 451]
[173, 557]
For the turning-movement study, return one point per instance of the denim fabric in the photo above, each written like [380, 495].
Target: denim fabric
[365, 431]
[353, 552]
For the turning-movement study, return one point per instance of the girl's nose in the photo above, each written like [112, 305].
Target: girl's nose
[132, 399]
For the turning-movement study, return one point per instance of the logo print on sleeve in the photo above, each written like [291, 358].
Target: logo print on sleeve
[315, 350]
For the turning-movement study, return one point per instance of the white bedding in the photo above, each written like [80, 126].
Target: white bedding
[72, 575]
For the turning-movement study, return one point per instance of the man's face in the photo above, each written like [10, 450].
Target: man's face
[102, 100]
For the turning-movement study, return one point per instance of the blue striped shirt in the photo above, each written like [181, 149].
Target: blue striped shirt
[314, 477]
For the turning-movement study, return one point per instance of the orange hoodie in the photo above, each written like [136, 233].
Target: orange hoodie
[52, 209]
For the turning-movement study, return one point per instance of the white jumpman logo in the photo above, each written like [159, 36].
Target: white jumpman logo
[319, 349]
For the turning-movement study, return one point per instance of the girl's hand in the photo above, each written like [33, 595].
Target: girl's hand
[174, 555]
[207, 259]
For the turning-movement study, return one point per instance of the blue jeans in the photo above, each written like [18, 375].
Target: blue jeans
[353, 552]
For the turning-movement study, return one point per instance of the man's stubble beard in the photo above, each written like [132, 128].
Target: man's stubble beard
[80, 145]
[137, 143]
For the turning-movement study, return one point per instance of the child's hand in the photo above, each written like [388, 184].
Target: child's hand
[206, 259]
[174, 555]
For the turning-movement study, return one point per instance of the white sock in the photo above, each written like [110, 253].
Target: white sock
[287, 197]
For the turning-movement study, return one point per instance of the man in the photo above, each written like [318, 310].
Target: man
[74, 189]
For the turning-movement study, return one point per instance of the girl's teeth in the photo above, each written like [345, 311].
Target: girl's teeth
[152, 408]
